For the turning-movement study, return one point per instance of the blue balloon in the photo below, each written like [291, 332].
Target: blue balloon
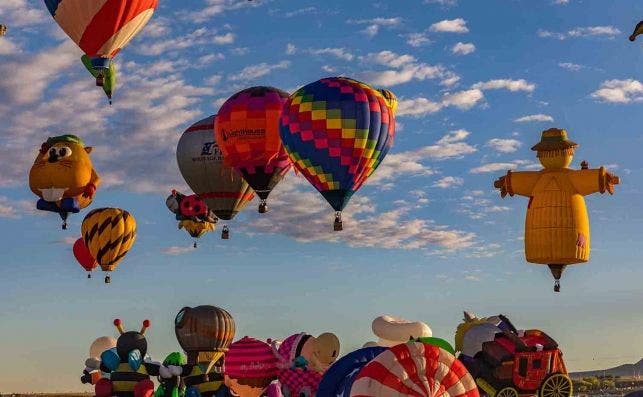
[135, 359]
[339, 378]
[110, 359]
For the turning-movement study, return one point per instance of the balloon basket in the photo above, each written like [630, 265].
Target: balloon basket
[338, 225]
[64, 226]
[263, 207]
[108, 279]
[225, 233]
[100, 80]
[194, 244]
[89, 275]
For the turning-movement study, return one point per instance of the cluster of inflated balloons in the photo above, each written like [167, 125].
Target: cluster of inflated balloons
[490, 357]
[335, 132]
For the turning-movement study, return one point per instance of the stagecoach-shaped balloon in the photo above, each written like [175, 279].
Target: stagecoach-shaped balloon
[522, 363]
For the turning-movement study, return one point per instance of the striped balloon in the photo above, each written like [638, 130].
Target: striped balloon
[337, 131]
[414, 369]
[108, 233]
[101, 28]
[201, 163]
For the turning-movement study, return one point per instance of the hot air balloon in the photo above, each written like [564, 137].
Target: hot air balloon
[638, 29]
[101, 28]
[205, 333]
[414, 369]
[84, 258]
[192, 213]
[63, 176]
[109, 233]
[337, 131]
[557, 225]
[201, 163]
[337, 381]
[247, 131]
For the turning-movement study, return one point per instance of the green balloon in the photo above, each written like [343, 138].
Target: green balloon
[439, 342]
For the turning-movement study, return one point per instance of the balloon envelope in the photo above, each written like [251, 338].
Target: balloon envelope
[204, 329]
[101, 344]
[414, 369]
[109, 233]
[247, 131]
[337, 131]
[337, 381]
[99, 27]
[84, 257]
[202, 165]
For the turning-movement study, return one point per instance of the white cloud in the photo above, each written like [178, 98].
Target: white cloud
[259, 70]
[508, 84]
[417, 39]
[175, 250]
[303, 215]
[495, 167]
[301, 11]
[448, 3]
[619, 91]
[7, 47]
[574, 67]
[588, 31]
[198, 37]
[375, 24]
[18, 14]
[28, 76]
[463, 100]
[389, 58]
[216, 7]
[290, 49]
[458, 25]
[534, 117]
[561, 1]
[227, 38]
[340, 53]
[504, 145]
[463, 48]
[449, 182]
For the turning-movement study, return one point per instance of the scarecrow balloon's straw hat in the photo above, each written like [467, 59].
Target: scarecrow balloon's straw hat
[554, 139]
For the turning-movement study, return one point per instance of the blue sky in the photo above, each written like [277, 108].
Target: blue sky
[426, 238]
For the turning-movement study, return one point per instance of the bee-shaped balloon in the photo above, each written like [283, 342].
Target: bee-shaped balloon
[63, 176]
[129, 371]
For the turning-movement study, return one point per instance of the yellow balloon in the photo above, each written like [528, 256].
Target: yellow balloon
[109, 233]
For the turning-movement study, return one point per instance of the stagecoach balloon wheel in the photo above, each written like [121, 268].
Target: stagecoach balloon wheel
[507, 392]
[556, 385]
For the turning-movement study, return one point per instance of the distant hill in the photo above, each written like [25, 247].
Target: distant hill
[622, 370]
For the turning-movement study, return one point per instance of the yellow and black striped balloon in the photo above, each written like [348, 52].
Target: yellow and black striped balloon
[109, 233]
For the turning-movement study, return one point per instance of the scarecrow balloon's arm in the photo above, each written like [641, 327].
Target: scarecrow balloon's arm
[521, 183]
[597, 180]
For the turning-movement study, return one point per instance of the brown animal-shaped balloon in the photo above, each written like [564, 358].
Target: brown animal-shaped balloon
[63, 176]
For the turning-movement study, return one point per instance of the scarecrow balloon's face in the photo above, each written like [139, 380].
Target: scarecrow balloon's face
[556, 159]
[61, 165]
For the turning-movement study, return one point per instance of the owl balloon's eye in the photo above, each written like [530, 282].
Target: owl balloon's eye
[52, 152]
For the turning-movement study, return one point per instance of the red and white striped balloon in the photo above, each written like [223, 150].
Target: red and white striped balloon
[414, 369]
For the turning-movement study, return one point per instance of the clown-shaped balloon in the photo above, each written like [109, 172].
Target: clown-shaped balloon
[63, 176]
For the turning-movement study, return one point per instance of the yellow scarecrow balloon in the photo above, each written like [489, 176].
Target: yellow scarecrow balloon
[557, 225]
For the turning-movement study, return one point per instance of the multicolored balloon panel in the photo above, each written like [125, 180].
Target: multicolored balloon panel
[101, 27]
[337, 131]
[247, 131]
[414, 369]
